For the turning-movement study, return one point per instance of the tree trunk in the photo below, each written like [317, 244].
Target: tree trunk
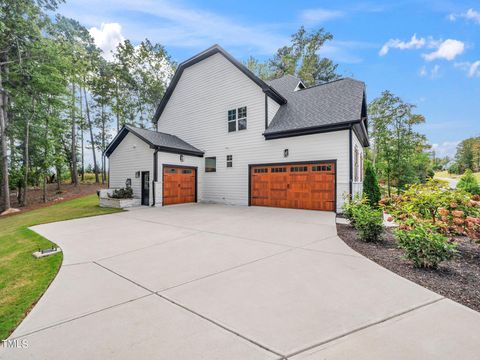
[95, 168]
[45, 165]
[103, 143]
[74, 140]
[82, 126]
[59, 178]
[23, 199]
[3, 144]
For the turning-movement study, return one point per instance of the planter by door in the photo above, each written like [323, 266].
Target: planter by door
[145, 188]
[295, 185]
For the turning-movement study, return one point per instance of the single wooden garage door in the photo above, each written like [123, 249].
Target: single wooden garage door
[178, 185]
[299, 186]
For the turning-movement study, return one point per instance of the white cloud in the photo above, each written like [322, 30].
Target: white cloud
[414, 43]
[423, 71]
[446, 148]
[315, 16]
[433, 73]
[472, 69]
[448, 50]
[107, 37]
[470, 14]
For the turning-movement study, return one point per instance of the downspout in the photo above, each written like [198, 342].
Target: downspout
[155, 174]
[350, 170]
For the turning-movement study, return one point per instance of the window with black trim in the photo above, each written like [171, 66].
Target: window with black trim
[260, 170]
[278, 170]
[237, 119]
[229, 161]
[298, 169]
[211, 164]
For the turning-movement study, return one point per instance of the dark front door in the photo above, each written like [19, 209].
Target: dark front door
[145, 188]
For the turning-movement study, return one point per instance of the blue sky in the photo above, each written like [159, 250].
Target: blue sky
[427, 51]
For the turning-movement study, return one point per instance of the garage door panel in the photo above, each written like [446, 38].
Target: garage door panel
[179, 185]
[301, 186]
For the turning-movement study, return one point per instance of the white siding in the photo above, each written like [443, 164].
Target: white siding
[197, 113]
[273, 107]
[131, 155]
[357, 187]
[174, 159]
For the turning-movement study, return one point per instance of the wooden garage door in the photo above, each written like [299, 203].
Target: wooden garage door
[178, 185]
[298, 186]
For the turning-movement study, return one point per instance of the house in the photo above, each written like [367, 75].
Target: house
[224, 135]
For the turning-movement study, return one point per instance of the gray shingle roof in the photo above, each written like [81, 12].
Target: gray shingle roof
[335, 102]
[157, 140]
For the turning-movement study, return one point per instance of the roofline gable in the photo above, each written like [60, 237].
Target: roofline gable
[126, 129]
[215, 49]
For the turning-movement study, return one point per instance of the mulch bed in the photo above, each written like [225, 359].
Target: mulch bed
[457, 279]
[66, 192]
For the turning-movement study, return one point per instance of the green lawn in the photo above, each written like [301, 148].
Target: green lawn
[23, 279]
[446, 174]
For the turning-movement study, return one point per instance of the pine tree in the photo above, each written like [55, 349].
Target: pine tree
[469, 183]
[370, 185]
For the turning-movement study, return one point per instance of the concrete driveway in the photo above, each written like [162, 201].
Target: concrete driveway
[221, 282]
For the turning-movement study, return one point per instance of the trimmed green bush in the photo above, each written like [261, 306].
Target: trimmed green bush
[123, 193]
[370, 185]
[424, 245]
[367, 220]
[469, 183]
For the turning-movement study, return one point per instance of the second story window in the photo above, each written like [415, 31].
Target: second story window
[237, 119]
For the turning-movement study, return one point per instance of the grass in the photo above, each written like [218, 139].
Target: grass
[446, 174]
[23, 279]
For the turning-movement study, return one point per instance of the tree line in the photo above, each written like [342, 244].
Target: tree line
[59, 97]
[467, 156]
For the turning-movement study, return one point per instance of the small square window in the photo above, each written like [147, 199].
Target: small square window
[229, 161]
[210, 164]
[242, 124]
[232, 114]
[242, 112]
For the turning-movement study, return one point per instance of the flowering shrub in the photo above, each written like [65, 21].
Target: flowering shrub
[452, 212]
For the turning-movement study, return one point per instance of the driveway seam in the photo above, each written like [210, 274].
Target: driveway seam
[221, 326]
[364, 327]
[222, 234]
[148, 246]
[80, 317]
[195, 313]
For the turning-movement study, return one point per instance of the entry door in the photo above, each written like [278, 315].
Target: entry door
[145, 188]
[179, 185]
[299, 186]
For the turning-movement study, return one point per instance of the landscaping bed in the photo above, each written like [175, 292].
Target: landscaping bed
[457, 279]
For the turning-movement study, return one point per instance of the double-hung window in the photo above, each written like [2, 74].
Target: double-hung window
[237, 119]
[229, 161]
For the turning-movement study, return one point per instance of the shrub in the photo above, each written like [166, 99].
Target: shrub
[366, 220]
[370, 185]
[424, 245]
[469, 183]
[123, 193]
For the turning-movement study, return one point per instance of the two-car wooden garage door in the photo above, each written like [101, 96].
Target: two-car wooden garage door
[300, 186]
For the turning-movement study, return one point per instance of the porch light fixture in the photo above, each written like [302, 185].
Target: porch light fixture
[137, 174]
[285, 153]
[181, 158]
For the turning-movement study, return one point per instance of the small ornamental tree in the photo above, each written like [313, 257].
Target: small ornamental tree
[370, 185]
[469, 183]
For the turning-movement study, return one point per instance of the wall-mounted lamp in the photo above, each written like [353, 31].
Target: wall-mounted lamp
[285, 153]
[181, 158]
[137, 174]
